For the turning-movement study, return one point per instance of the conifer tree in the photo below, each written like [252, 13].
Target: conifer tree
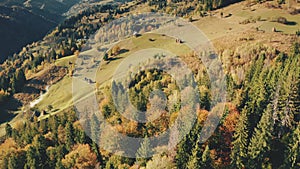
[240, 142]
[195, 159]
[95, 149]
[59, 164]
[206, 161]
[8, 130]
[12, 162]
[95, 128]
[39, 143]
[69, 135]
[31, 158]
[182, 155]
[293, 157]
[144, 151]
[185, 147]
[259, 145]
[288, 101]
[14, 84]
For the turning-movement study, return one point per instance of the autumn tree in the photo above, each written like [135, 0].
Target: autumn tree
[80, 157]
[160, 162]
[115, 50]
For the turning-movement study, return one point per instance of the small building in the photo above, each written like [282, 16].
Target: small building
[179, 41]
[136, 34]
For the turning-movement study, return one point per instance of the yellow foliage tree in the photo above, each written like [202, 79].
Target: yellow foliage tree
[81, 157]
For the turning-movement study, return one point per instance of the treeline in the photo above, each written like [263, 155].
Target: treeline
[183, 8]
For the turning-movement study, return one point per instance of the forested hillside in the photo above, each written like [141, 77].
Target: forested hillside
[260, 125]
[262, 130]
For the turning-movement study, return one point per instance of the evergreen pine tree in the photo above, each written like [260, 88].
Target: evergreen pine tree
[206, 161]
[59, 164]
[8, 130]
[14, 84]
[288, 101]
[12, 162]
[185, 147]
[31, 159]
[39, 143]
[240, 142]
[95, 128]
[80, 137]
[95, 149]
[259, 145]
[195, 159]
[293, 158]
[69, 135]
[182, 155]
[144, 151]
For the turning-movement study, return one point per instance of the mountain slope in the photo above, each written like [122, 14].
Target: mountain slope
[20, 27]
[23, 23]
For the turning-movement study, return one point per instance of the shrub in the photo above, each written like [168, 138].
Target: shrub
[298, 32]
[115, 50]
[282, 20]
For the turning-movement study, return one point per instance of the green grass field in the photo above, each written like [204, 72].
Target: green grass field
[60, 95]
[267, 15]
[216, 27]
[65, 61]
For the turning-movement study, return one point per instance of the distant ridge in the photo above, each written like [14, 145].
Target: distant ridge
[23, 22]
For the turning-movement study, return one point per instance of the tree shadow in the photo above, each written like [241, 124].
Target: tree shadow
[152, 40]
[36, 81]
[229, 15]
[194, 20]
[123, 51]
[7, 107]
[113, 59]
[291, 23]
[31, 90]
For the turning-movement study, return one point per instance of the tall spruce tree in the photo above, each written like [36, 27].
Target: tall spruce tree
[195, 159]
[31, 158]
[12, 162]
[240, 142]
[293, 157]
[144, 151]
[206, 161]
[8, 130]
[69, 135]
[259, 145]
